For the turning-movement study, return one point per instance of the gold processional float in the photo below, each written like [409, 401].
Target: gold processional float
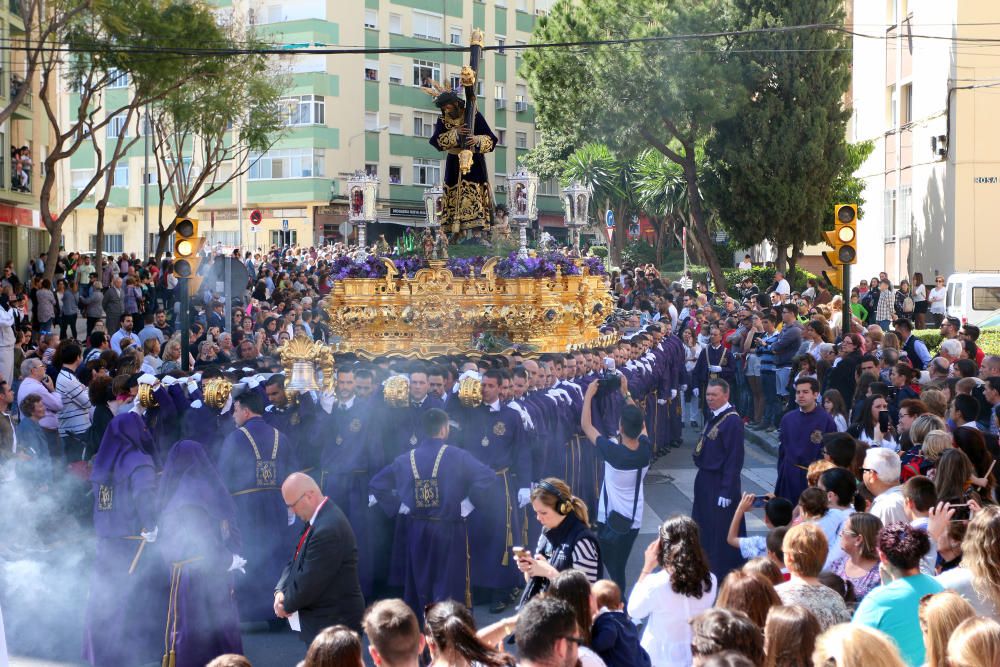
[431, 311]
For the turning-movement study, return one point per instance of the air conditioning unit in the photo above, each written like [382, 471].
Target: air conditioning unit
[939, 145]
[501, 188]
[540, 12]
[501, 103]
[124, 217]
[520, 106]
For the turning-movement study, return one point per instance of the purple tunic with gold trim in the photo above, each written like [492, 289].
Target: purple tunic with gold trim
[799, 444]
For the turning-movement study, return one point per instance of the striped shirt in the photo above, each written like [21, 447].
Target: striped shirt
[75, 414]
[585, 558]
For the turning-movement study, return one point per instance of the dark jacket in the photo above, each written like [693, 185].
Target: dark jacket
[321, 583]
[841, 377]
[615, 638]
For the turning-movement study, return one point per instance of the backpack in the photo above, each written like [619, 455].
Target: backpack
[907, 305]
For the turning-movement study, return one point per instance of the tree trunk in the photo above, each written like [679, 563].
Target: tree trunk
[52, 256]
[793, 261]
[99, 253]
[698, 225]
[781, 258]
[659, 229]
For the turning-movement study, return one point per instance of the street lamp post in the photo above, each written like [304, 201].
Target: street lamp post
[522, 189]
[576, 203]
[362, 192]
[433, 203]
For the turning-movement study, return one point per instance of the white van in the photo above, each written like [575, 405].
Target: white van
[972, 297]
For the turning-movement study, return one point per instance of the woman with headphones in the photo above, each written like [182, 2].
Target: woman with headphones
[566, 541]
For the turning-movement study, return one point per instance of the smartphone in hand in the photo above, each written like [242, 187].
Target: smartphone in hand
[883, 421]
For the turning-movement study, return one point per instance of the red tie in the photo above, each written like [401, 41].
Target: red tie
[302, 540]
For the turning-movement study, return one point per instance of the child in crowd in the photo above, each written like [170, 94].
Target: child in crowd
[919, 497]
[614, 637]
[777, 513]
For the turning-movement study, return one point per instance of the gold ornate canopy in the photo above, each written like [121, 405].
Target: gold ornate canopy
[436, 312]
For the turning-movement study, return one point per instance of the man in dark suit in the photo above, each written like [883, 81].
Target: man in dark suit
[113, 305]
[321, 581]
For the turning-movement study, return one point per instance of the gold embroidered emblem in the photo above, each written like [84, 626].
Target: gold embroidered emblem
[499, 428]
[355, 425]
[426, 494]
[267, 473]
[295, 419]
[105, 497]
[816, 437]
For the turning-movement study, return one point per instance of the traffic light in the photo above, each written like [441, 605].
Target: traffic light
[834, 277]
[187, 245]
[844, 243]
[844, 237]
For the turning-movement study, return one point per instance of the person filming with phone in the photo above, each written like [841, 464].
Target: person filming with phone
[874, 428]
[566, 541]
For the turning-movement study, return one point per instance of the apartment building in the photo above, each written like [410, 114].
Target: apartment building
[21, 232]
[925, 90]
[348, 112]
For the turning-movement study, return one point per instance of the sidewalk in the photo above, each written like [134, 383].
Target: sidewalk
[766, 441]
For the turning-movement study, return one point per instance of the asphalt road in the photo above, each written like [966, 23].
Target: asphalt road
[57, 612]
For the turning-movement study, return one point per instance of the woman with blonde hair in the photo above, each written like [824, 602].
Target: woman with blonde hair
[936, 401]
[977, 579]
[849, 645]
[975, 643]
[566, 541]
[805, 549]
[940, 613]
[923, 425]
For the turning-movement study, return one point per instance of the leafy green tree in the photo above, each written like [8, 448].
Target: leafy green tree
[95, 58]
[778, 159]
[610, 181]
[205, 134]
[548, 158]
[848, 188]
[664, 95]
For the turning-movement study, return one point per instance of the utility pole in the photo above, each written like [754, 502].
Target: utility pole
[146, 127]
[185, 322]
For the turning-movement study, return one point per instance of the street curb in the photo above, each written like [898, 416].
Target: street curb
[765, 441]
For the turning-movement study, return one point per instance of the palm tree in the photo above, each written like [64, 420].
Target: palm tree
[610, 181]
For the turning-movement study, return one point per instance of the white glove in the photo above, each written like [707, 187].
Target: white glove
[169, 380]
[327, 400]
[715, 369]
[695, 392]
[724, 502]
[239, 563]
[150, 535]
[684, 387]
[371, 500]
[403, 509]
[196, 377]
[291, 517]
[196, 404]
[523, 497]
[467, 507]
[661, 401]
[673, 394]
[192, 386]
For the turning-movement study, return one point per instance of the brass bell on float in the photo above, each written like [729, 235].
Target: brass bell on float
[146, 398]
[216, 392]
[303, 377]
[396, 391]
[470, 391]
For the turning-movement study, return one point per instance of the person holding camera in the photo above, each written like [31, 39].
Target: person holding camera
[619, 509]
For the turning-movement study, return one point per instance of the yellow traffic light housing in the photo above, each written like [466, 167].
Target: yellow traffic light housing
[187, 246]
[844, 237]
[834, 277]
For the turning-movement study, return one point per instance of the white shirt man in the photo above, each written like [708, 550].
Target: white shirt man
[782, 287]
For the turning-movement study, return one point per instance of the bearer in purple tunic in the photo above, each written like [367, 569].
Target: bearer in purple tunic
[673, 347]
[295, 417]
[719, 459]
[199, 541]
[253, 461]
[351, 455]
[801, 439]
[162, 421]
[494, 434]
[402, 426]
[715, 362]
[128, 597]
[433, 487]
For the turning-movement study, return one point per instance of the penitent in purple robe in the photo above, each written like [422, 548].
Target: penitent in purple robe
[351, 455]
[719, 459]
[496, 438]
[205, 425]
[254, 477]
[435, 542]
[800, 443]
[125, 611]
[198, 538]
